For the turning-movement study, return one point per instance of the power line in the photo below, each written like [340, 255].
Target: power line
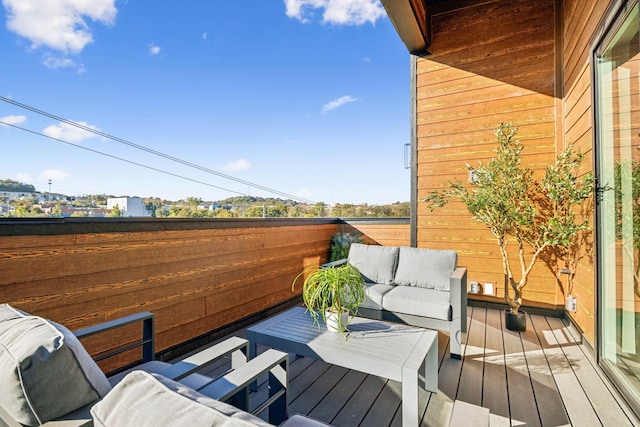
[149, 150]
[121, 159]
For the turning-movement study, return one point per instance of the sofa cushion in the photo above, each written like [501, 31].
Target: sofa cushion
[418, 302]
[143, 399]
[44, 370]
[377, 264]
[425, 268]
[375, 292]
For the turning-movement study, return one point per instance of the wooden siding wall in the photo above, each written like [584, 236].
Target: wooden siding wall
[490, 63]
[388, 232]
[581, 19]
[195, 276]
[194, 280]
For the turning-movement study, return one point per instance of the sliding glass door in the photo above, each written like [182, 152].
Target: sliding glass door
[618, 152]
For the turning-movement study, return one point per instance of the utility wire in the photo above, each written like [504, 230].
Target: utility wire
[122, 159]
[151, 151]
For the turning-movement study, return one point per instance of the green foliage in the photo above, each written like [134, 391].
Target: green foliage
[15, 186]
[340, 244]
[334, 288]
[627, 213]
[538, 215]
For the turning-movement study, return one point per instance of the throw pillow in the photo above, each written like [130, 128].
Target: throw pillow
[44, 370]
[426, 268]
[377, 264]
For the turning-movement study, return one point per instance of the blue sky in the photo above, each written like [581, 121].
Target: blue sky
[306, 97]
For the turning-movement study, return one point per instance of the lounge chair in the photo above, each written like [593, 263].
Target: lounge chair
[48, 378]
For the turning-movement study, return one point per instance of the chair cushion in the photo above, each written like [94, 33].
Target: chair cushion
[44, 370]
[425, 268]
[418, 301]
[375, 292]
[377, 264]
[144, 399]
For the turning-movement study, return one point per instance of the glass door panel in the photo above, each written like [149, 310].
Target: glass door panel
[618, 116]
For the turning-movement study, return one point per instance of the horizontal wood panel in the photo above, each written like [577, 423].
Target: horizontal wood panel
[194, 280]
[490, 63]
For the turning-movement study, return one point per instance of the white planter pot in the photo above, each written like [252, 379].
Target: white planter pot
[332, 321]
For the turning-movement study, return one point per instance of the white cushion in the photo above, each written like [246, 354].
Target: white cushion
[144, 399]
[45, 372]
[426, 268]
[377, 264]
[375, 292]
[418, 301]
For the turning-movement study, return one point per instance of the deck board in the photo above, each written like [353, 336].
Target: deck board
[540, 377]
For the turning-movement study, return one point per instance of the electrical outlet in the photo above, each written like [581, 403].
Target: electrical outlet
[488, 289]
[571, 304]
[474, 287]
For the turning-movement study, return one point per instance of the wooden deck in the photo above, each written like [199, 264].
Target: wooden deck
[542, 377]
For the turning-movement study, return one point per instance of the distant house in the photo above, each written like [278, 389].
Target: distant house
[129, 206]
[15, 195]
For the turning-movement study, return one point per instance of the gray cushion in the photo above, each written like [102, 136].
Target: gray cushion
[418, 301]
[44, 370]
[377, 264]
[143, 399]
[425, 268]
[375, 292]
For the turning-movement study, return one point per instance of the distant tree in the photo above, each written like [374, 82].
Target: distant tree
[115, 212]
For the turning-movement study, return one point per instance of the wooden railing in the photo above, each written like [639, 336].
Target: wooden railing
[196, 276]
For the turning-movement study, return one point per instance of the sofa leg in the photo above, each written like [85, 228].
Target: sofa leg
[456, 336]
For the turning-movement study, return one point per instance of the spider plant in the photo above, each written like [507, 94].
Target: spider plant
[332, 290]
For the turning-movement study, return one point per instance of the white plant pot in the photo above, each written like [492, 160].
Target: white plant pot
[332, 321]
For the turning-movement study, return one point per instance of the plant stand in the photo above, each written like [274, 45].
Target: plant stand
[515, 322]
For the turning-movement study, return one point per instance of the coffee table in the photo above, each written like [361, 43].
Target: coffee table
[389, 350]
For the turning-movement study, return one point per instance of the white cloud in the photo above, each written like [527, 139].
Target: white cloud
[60, 25]
[204, 36]
[13, 120]
[154, 50]
[55, 62]
[237, 165]
[69, 133]
[340, 12]
[330, 106]
[53, 174]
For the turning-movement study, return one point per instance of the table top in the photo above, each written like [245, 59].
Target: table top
[371, 346]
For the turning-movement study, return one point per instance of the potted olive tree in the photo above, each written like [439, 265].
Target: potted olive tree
[332, 294]
[535, 215]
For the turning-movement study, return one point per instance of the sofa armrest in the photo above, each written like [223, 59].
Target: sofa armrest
[148, 334]
[234, 385]
[334, 263]
[458, 301]
[458, 296]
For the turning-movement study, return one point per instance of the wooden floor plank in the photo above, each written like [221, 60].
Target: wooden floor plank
[495, 377]
[576, 403]
[470, 388]
[521, 398]
[357, 406]
[548, 400]
[385, 406]
[605, 405]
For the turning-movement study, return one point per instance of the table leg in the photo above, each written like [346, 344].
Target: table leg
[431, 368]
[410, 399]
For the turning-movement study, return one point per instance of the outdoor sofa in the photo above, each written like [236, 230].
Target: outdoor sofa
[417, 286]
[48, 378]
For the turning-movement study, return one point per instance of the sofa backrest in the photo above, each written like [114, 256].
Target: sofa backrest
[426, 268]
[377, 264]
[404, 266]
